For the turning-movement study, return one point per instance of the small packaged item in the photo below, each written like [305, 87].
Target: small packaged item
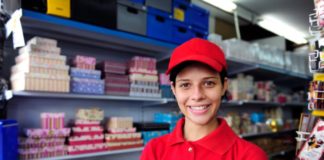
[94, 114]
[84, 62]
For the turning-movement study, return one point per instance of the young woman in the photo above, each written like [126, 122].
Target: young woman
[197, 71]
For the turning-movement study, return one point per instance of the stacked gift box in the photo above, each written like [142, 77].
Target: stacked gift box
[84, 77]
[116, 80]
[40, 67]
[171, 118]
[121, 134]
[87, 135]
[165, 86]
[143, 77]
[47, 141]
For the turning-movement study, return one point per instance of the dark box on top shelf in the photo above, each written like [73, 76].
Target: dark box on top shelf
[116, 14]
[198, 32]
[198, 17]
[8, 139]
[159, 24]
[138, 1]
[35, 5]
[164, 5]
[181, 32]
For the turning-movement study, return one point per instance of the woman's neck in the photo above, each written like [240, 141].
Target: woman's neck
[194, 132]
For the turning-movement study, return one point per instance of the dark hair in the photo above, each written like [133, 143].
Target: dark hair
[176, 70]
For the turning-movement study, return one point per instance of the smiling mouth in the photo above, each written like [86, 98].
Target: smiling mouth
[199, 108]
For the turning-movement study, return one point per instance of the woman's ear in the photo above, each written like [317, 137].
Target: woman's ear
[225, 86]
[172, 88]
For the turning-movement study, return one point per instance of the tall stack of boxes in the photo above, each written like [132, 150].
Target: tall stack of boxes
[87, 133]
[40, 67]
[47, 141]
[143, 77]
[116, 80]
[84, 77]
[121, 134]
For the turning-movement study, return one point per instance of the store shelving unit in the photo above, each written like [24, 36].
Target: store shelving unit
[263, 72]
[97, 37]
[34, 94]
[97, 154]
[262, 103]
[266, 133]
[270, 156]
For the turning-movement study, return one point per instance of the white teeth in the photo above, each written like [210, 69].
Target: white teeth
[198, 107]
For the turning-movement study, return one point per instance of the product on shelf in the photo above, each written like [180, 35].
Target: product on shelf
[149, 135]
[84, 77]
[171, 118]
[85, 73]
[111, 66]
[121, 134]
[143, 77]
[314, 146]
[245, 88]
[40, 67]
[117, 84]
[94, 114]
[88, 135]
[84, 62]
[47, 141]
[52, 120]
[90, 86]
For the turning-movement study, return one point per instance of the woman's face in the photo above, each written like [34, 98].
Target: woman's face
[198, 90]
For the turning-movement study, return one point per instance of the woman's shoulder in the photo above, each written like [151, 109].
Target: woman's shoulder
[250, 150]
[159, 141]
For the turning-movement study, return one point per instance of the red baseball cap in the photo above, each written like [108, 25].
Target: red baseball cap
[199, 50]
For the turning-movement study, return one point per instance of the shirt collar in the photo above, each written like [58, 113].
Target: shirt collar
[219, 141]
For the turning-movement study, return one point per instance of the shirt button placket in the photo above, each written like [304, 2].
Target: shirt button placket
[191, 153]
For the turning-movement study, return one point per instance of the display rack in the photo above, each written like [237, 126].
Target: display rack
[86, 96]
[97, 37]
[262, 72]
[97, 154]
[266, 133]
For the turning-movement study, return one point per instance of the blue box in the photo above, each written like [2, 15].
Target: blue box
[85, 73]
[8, 140]
[198, 17]
[159, 24]
[90, 86]
[200, 33]
[183, 6]
[138, 1]
[148, 135]
[181, 32]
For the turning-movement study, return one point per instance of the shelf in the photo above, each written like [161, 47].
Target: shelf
[89, 155]
[319, 113]
[263, 72]
[86, 96]
[263, 103]
[266, 133]
[40, 24]
[281, 153]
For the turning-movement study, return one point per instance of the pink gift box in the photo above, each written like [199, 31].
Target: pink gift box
[84, 62]
[48, 133]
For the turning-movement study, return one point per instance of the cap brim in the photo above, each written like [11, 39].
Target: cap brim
[198, 58]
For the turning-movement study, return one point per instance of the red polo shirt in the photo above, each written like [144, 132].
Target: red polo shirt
[221, 144]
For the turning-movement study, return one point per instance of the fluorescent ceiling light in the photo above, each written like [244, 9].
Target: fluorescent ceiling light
[282, 29]
[226, 5]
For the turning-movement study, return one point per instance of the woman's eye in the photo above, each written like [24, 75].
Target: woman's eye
[210, 84]
[185, 85]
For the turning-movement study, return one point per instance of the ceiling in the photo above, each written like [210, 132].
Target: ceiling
[292, 12]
